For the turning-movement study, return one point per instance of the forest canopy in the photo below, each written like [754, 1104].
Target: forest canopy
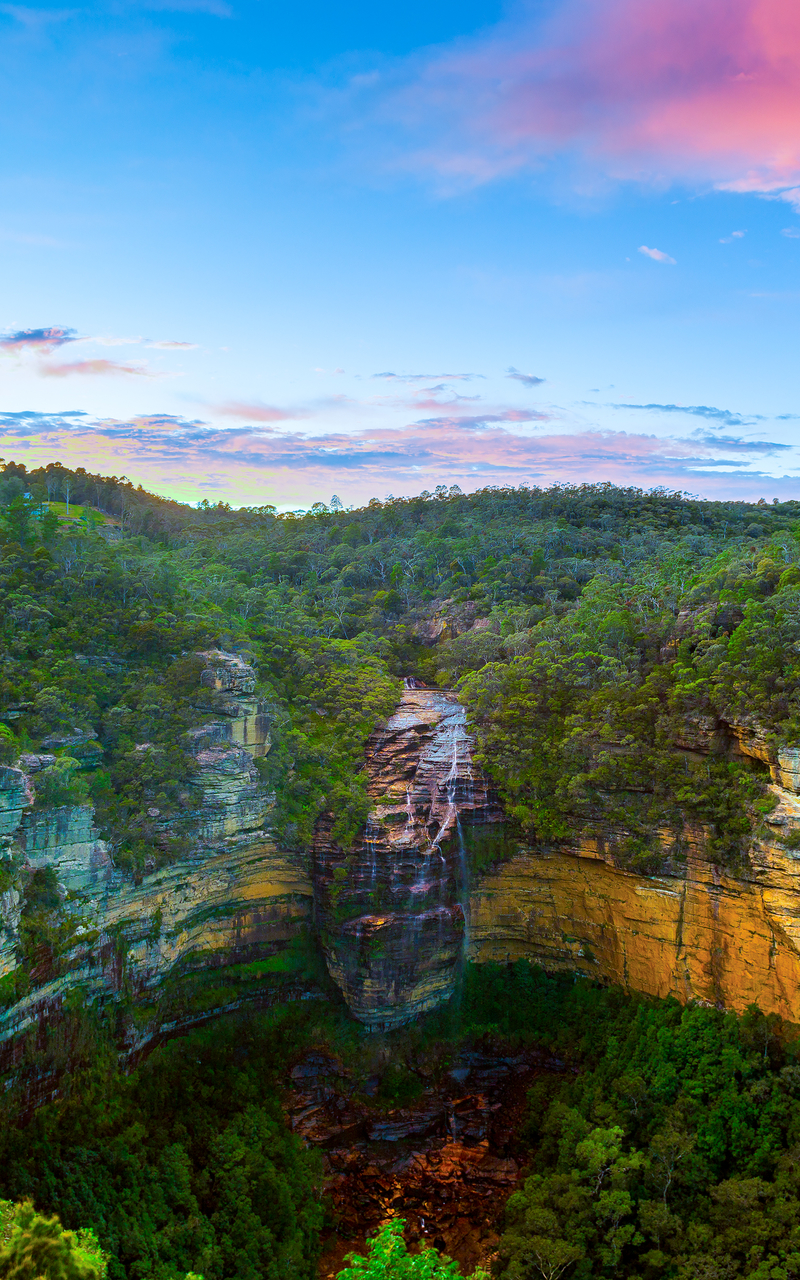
[614, 648]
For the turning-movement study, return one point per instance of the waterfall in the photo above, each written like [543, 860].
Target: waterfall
[404, 930]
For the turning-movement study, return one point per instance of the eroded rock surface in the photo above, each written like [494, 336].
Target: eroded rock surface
[393, 912]
[445, 1163]
[697, 933]
[234, 682]
[233, 899]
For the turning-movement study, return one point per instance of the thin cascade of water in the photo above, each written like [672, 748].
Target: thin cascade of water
[463, 886]
[371, 842]
[409, 831]
[451, 783]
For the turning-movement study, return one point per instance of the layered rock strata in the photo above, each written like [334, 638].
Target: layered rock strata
[232, 900]
[393, 912]
[233, 681]
[697, 933]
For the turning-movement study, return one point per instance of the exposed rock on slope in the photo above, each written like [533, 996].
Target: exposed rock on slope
[697, 933]
[234, 898]
[234, 681]
[393, 912]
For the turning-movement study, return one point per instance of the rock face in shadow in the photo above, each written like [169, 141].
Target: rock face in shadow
[173, 937]
[393, 911]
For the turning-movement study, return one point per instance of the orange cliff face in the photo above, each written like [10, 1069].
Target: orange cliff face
[696, 934]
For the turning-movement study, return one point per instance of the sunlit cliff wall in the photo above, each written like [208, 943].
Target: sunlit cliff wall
[694, 932]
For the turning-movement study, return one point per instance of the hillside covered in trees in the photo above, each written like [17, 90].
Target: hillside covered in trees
[589, 630]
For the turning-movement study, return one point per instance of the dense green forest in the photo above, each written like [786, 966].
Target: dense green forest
[597, 636]
[593, 633]
[668, 1148]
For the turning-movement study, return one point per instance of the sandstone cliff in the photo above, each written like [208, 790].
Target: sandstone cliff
[398, 913]
[696, 933]
[234, 899]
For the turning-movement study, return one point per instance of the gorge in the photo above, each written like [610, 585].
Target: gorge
[433, 881]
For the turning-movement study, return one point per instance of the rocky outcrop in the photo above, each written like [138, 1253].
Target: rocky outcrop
[393, 911]
[447, 619]
[696, 934]
[233, 900]
[246, 902]
[231, 800]
[705, 734]
[234, 683]
[66, 839]
[15, 796]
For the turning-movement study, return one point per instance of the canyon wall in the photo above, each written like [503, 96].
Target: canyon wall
[702, 935]
[430, 883]
[433, 882]
[235, 910]
[695, 932]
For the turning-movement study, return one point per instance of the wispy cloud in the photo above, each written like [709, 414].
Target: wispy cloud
[94, 368]
[172, 346]
[258, 412]
[723, 416]
[428, 377]
[735, 235]
[657, 255]
[41, 341]
[34, 19]
[216, 8]
[479, 422]
[251, 461]
[527, 379]
[738, 445]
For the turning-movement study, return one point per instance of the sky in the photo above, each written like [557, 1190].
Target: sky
[267, 253]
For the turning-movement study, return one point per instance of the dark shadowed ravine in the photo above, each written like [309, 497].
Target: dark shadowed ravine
[445, 1163]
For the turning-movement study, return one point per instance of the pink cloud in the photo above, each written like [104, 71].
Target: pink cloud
[94, 368]
[657, 255]
[258, 412]
[247, 463]
[41, 341]
[704, 91]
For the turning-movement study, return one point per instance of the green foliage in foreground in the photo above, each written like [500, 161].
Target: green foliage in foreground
[184, 1165]
[388, 1259]
[36, 1247]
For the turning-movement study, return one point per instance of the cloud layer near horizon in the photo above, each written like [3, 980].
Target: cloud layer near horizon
[699, 91]
[254, 463]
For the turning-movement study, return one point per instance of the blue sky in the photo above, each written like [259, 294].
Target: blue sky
[268, 254]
